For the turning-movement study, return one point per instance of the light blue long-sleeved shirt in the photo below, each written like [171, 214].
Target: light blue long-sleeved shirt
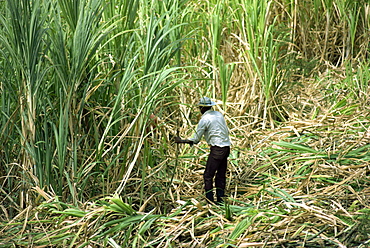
[213, 126]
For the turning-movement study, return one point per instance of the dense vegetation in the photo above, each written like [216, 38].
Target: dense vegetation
[92, 93]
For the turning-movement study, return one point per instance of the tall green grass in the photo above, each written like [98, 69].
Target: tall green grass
[23, 52]
[75, 100]
[258, 28]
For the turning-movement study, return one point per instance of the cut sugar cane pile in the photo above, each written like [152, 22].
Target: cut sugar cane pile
[304, 184]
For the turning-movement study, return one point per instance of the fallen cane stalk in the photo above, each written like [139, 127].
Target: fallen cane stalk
[176, 163]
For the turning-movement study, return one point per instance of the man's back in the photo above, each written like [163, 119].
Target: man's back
[213, 126]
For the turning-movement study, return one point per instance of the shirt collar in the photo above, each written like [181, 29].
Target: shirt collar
[208, 111]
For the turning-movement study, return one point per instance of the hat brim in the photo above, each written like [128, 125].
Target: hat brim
[207, 105]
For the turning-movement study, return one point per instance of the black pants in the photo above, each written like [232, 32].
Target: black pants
[216, 165]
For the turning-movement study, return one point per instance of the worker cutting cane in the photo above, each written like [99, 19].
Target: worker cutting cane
[213, 126]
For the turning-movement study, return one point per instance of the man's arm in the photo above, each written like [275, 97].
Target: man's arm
[186, 141]
[197, 135]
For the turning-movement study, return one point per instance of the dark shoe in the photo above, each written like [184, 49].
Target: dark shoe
[209, 196]
[220, 193]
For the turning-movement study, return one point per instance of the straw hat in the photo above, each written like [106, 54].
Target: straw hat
[206, 102]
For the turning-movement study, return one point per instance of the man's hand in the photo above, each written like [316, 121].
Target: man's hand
[179, 140]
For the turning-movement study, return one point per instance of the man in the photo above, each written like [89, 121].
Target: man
[213, 126]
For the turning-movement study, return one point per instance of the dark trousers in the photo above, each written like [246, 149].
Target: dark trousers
[216, 165]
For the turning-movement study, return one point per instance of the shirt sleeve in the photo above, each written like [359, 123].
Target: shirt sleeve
[201, 128]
